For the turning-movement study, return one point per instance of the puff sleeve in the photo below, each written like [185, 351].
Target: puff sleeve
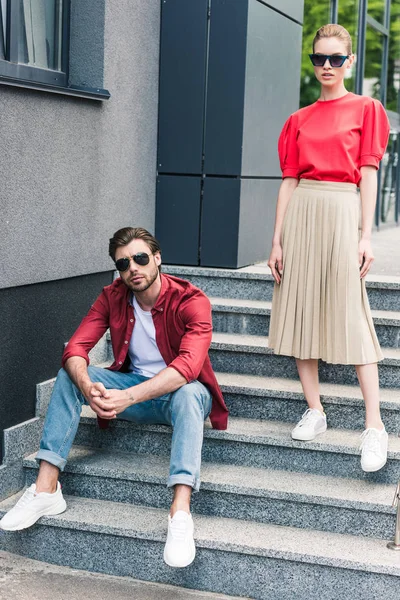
[288, 150]
[374, 134]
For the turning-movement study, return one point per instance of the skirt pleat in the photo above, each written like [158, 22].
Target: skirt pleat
[321, 309]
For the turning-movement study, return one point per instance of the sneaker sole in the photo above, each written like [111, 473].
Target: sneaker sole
[180, 566]
[308, 438]
[378, 468]
[56, 510]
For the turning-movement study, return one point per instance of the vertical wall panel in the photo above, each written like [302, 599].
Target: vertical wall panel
[225, 91]
[257, 217]
[272, 86]
[178, 218]
[220, 222]
[182, 85]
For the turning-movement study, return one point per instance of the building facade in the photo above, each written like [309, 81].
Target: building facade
[159, 113]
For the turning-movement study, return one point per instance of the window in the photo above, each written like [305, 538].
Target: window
[316, 14]
[34, 40]
[373, 64]
[393, 74]
[348, 17]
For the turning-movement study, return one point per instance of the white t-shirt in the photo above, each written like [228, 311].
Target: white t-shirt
[144, 354]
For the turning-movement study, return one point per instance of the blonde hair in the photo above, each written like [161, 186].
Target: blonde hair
[334, 30]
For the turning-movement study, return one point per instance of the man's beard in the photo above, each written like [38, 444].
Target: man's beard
[145, 284]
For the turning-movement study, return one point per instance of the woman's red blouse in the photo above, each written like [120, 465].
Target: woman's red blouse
[331, 140]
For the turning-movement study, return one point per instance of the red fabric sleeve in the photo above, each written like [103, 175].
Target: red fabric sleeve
[374, 135]
[287, 149]
[91, 329]
[195, 342]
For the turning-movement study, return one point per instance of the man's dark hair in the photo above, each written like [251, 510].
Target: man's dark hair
[124, 236]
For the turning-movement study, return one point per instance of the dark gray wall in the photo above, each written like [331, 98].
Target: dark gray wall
[36, 321]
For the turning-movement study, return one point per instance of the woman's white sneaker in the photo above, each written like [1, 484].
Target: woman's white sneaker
[180, 550]
[31, 506]
[311, 424]
[374, 446]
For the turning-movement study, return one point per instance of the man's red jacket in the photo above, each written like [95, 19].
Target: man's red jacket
[183, 324]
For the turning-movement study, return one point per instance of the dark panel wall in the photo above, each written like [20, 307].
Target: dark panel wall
[182, 85]
[251, 85]
[220, 222]
[178, 218]
[225, 90]
[36, 321]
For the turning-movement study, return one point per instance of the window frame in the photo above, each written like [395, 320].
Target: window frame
[28, 76]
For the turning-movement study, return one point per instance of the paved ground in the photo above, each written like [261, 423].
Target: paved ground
[25, 579]
[386, 247]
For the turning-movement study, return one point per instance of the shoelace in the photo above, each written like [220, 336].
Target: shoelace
[370, 440]
[308, 417]
[178, 529]
[26, 497]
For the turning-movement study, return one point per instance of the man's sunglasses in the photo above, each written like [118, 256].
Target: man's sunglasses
[141, 258]
[335, 60]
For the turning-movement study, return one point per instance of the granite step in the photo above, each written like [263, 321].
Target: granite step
[281, 399]
[256, 283]
[336, 504]
[252, 443]
[252, 317]
[249, 354]
[122, 539]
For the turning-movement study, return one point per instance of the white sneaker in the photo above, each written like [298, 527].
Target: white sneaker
[374, 446]
[180, 550]
[311, 424]
[31, 506]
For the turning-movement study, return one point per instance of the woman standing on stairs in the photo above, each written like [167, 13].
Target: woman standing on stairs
[319, 259]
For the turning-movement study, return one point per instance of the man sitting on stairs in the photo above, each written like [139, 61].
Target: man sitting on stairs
[161, 331]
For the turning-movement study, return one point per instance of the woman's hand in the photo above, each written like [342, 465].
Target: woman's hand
[365, 256]
[275, 262]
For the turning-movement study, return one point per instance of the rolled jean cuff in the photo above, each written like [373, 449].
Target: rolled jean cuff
[52, 458]
[184, 480]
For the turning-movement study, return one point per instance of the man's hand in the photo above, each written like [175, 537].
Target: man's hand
[107, 404]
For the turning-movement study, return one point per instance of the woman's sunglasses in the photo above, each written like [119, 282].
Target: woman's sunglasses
[335, 60]
[141, 258]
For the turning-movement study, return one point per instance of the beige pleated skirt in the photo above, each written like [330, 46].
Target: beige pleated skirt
[321, 309]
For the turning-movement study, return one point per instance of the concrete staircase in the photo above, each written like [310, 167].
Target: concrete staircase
[275, 519]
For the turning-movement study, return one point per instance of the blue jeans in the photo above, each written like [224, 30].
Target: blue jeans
[185, 410]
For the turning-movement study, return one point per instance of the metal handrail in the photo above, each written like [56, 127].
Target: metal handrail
[395, 545]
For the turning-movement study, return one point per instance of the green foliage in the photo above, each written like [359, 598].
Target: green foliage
[317, 14]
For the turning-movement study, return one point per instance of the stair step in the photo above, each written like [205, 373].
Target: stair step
[280, 399]
[248, 442]
[252, 317]
[256, 283]
[249, 354]
[128, 540]
[282, 497]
